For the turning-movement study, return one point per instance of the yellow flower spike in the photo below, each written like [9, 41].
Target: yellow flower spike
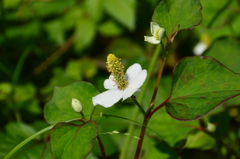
[116, 68]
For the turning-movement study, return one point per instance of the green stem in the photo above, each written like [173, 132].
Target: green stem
[15, 77]
[26, 141]
[20, 65]
[218, 13]
[6, 70]
[131, 128]
[139, 106]
[83, 116]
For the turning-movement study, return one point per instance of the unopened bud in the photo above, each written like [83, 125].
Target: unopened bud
[76, 105]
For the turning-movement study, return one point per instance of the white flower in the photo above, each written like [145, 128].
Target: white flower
[119, 84]
[157, 32]
[76, 105]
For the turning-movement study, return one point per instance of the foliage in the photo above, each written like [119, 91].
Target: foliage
[55, 50]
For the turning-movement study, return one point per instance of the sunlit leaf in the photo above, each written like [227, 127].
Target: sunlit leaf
[73, 141]
[55, 31]
[85, 32]
[59, 108]
[199, 85]
[175, 16]
[200, 140]
[122, 11]
[110, 28]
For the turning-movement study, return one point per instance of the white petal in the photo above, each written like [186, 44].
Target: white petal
[154, 27]
[109, 83]
[161, 33]
[151, 39]
[108, 98]
[133, 71]
[128, 92]
[199, 48]
[138, 81]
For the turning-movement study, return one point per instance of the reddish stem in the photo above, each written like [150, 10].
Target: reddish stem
[101, 148]
[142, 134]
[157, 82]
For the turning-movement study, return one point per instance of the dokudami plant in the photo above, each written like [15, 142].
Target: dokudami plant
[199, 85]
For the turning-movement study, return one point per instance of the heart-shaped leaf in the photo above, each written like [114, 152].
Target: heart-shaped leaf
[200, 84]
[59, 108]
[176, 15]
[73, 141]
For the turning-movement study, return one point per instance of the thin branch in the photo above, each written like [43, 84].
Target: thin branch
[218, 13]
[157, 82]
[101, 148]
[51, 59]
[139, 106]
[140, 141]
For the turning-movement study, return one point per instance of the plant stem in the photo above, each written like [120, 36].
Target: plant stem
[19, 66]
[139, 106]
[143, 129]
[104, 156]
[140, 141]
[26, 141]
[157, 83]
[151, 106]
[143, 91]
[218, 13]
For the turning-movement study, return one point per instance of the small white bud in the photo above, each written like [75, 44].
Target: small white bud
[76, 105]
[115, 132]
[211, 127]
[136, 137]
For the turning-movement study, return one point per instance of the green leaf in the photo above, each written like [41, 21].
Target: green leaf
[16, 133]
[73, 141]
[19, 130]
[55, 31]
[5, 90]
[164, 125]
[200, 140]
[226, 51]
[216, 13]
[175, 16]
[59, 108]
[163, 151]
[200, 84]
[11, 4]
[85, 32]
[110, 28]
[122, 11]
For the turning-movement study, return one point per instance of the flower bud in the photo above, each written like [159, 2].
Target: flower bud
[76, 105]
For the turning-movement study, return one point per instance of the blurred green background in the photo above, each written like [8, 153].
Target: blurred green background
[47, 43]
